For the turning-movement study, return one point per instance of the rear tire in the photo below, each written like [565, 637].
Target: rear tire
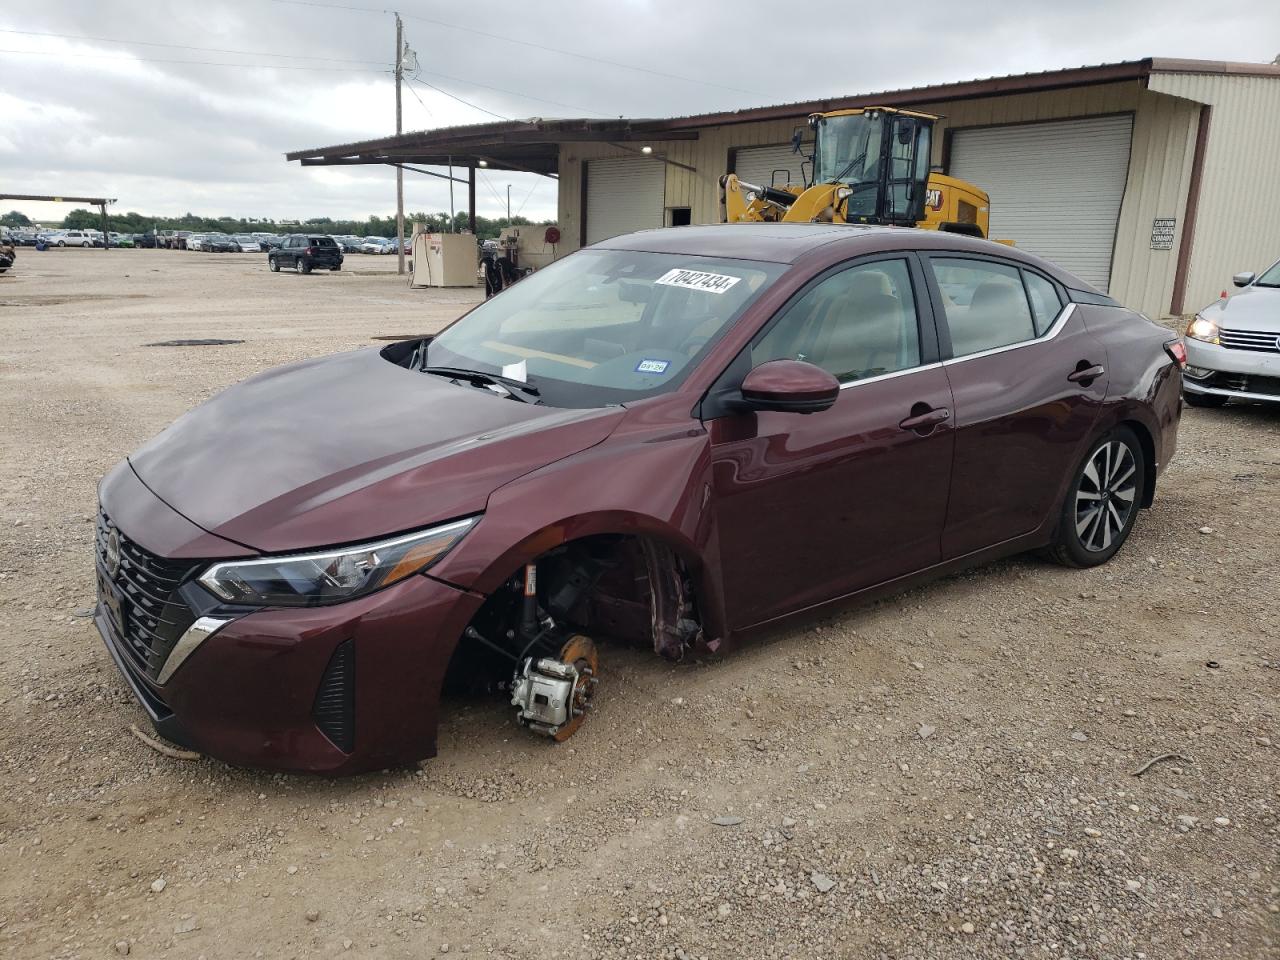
[273, 264]
[1102, 503]
[1204, 399]
[303, 266]
[335, 269]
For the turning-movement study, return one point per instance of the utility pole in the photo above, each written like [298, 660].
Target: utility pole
[508, 204]
[399, 122]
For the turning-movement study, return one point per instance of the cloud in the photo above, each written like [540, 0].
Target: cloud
[101, 118]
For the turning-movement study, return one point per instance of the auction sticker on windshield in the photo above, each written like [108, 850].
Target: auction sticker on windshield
[697, 280]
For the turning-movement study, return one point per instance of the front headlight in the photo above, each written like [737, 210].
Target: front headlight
[1202, 328]
[308, 579]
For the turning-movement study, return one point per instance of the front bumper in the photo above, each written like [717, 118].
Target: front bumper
[1225, 372]
[253, 692]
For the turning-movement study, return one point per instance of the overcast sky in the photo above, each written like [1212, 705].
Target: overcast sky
[97, 117]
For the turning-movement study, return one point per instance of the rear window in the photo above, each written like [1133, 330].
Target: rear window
[322, 242]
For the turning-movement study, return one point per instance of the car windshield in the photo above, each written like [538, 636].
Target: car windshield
[1271, 278]
[604, 326]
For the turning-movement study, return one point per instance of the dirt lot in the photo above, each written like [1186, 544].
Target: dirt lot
[945, 774]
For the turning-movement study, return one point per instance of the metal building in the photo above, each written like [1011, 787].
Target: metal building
[1154, 179]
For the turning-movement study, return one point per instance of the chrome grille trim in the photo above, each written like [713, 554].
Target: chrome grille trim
[1255, 341]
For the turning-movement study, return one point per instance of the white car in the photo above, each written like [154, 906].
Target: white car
[1233, 345]
[378, 245]
[195, 241]
[247, 243]
[74, 238]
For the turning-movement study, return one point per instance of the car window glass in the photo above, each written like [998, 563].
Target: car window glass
[1045, 302]
[858, 323]
[605, 326]
[985, 303]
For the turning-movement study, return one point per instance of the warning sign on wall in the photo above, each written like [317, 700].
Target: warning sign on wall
[1162, 233]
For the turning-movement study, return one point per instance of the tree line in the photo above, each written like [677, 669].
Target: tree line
[80, 219]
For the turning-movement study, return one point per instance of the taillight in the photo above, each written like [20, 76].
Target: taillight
[311, 251]
[1177, 351]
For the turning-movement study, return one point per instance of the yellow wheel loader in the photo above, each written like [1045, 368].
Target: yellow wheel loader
[869, 165]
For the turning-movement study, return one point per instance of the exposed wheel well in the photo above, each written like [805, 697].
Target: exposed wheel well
[612, 587]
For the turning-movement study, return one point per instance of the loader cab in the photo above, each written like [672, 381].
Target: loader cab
[880, 156]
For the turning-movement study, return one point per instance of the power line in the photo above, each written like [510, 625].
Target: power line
[525, 43]
[536, 185]
[421, 101]
[179, 46]
[194, 63]
[451, 96]
[512, 93]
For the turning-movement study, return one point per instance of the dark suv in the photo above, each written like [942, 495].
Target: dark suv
[305, 252]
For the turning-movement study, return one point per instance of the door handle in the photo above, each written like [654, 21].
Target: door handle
[1085, 374]
[926, 420]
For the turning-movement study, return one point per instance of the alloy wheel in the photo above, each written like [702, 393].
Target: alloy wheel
[1106, 495]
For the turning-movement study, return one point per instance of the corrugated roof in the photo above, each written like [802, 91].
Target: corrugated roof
[533, 143]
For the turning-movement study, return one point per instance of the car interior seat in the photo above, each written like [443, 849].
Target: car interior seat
[997, 316]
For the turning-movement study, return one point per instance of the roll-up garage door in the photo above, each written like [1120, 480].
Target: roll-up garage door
[624, 195]
[1055, 187]
[758, 164]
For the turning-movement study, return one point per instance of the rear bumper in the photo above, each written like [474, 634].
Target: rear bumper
[248, 694]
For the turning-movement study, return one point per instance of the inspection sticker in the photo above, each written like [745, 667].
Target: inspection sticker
[652, 366]
[697, 280]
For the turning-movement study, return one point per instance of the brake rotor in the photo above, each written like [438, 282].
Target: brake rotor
[581, 652]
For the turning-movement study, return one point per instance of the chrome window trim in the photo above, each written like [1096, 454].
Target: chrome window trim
[889, 376]
[188, 643]
[1055, 328]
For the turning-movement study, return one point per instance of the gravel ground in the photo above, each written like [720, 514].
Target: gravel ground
[949, 773]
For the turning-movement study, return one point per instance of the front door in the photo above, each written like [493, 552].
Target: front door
[1028, 380]
[814, 506]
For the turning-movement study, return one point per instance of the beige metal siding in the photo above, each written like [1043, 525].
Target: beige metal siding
[1238, 222]
[1158, 176]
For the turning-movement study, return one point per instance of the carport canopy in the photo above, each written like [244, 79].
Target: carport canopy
[527, 146]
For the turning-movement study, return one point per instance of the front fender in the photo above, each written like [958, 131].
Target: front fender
[638, 483]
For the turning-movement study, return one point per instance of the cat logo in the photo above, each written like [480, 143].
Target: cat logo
[933, 199]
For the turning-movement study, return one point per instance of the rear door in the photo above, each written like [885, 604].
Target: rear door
[1028, 381]
[815, 506]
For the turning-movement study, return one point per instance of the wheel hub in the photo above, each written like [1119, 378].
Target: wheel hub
[552, 696]
[1106, 496]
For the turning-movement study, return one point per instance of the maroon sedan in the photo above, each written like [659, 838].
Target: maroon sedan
[673, 437]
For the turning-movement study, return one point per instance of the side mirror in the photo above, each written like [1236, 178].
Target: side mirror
[790, 386]
[1244, 279]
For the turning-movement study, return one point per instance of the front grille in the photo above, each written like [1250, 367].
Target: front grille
[335, 707]
[153, 613]
[1246, 383]
[1252, 340]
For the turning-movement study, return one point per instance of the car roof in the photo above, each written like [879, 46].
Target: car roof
[788, 242]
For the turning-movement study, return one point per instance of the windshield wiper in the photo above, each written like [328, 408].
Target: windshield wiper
[518, 389]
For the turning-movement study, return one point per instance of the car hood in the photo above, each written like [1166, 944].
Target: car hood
[1253, 308]
[351, 447]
